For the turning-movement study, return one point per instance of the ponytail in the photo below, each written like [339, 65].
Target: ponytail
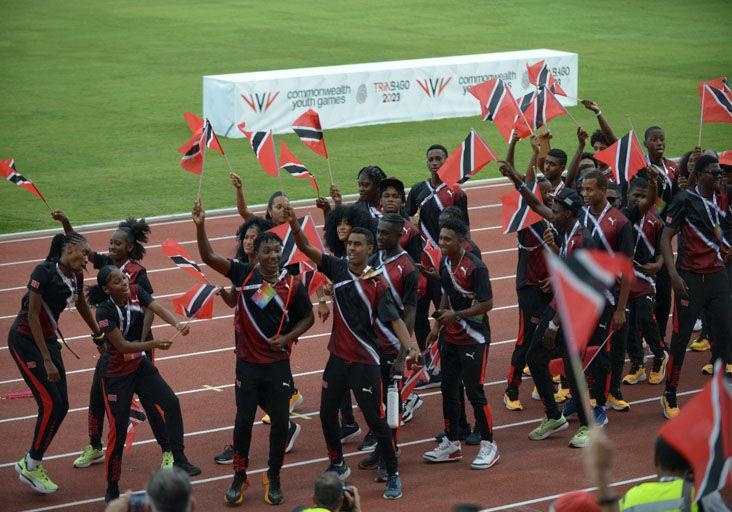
[60, 241]
[137, 231]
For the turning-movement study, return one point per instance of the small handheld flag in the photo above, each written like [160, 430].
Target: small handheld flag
[175, 252]
[194, 150]
[716, 101]
[137, 416]
[290, 253]
[497, 105]
[9, 171]
[295, 167]
[264, 149]
[312, 280]
[467, 159]
[516, 213]
[196, 302]
[538, 108]
[625, 157]
[540, 76]
[308, 128]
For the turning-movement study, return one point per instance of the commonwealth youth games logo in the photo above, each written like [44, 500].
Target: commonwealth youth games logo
[361, 94]
[260, 102]
[433, 87]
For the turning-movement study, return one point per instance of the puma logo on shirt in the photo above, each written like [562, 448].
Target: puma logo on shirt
[367, 390]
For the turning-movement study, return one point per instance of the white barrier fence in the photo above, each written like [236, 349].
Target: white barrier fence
[373, 93]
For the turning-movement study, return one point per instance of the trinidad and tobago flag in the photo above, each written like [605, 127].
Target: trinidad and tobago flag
[8, 170]
[196, 302]
[264, 149]
[625, 157]
[497, 105]
[540, 76]
[702, 433]
[308, 128]
[716, 101]
[290, 253]
[432, 357]
[175, 252]
[467, 159]
[725, 157]
[194, 151]
[312, 280]
[579, 284]
[195, 124]
[516, 213]
[137, 416]
[538, 108]
[295, 167]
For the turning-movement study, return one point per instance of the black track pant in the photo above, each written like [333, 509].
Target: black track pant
[618, 348]
[642, 324]
[432, 295]
[531, 302]
[538, 358]
[347, 409]
[268, 386]
[52, 399]
[365, 382]
[708, 293]
[466, 363]
[96, 411]
[149, 385]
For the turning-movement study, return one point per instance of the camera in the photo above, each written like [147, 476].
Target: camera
[139, 503]
[347, 499]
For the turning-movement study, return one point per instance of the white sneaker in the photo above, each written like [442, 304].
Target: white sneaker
[412, 403]
[487, 455]
[698, 325]
[446, 451]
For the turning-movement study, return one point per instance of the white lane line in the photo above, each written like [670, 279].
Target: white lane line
[324, 459]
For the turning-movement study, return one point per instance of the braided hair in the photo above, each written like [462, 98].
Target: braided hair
[60, 241]
[356, 217]
[138, 232]
[374, 174]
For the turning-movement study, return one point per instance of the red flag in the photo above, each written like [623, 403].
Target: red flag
[8, 170]
[175, 252]
[625, 157]
[308, 128]
[194, 150]
[556, 366]
[290, 253]
[432, 357]
[716, 101]
[295, 167]
[433, 253]
[497, 105]
[312, 280]
[702, 433]
[540, 76]
[196, 302]
[467, 159]
[538, 109]
[578, 284]
[264, 149]
[516, 213]
[195, 124]
[725, 157]
[137, 416]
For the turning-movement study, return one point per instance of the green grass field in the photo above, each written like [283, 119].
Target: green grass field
[93, 91]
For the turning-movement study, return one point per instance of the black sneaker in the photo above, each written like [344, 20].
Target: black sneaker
[473, 438]
[240, 484]
[341, 469]
[225, 457]
[350, 432]
[272, 490]
[369, 443]
[293, 432]
[112, 492]
[371, 461]
[187, 467]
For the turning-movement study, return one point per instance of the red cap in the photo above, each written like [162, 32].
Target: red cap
[576, 501]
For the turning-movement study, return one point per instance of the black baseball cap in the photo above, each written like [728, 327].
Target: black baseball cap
[392, 182]
[570, 200]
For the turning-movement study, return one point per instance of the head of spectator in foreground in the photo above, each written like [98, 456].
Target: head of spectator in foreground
[576, 501]
[328, 492]
[369, 181]
[566, 208]
[594, 190]
[169, 490]
[359, 246]
[554, 163]
[668, 461]
[452, 234]
[436, 156]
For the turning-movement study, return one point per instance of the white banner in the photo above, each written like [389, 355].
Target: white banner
[374, 93]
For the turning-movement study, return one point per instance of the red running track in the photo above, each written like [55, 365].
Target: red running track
[200, 369]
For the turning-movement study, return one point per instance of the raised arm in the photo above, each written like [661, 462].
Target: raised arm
[533, 201]
[573, 169]
[301, 240]
[59, 216]
[602, 121]
[531, 169]
[208, 255]
[512, 148]
[241, 203]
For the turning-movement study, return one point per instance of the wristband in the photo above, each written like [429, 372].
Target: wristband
[552, 326]
[599, 113]
[520, 186]
[98, 338]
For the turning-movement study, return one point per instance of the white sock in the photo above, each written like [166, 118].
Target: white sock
[30, 463]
